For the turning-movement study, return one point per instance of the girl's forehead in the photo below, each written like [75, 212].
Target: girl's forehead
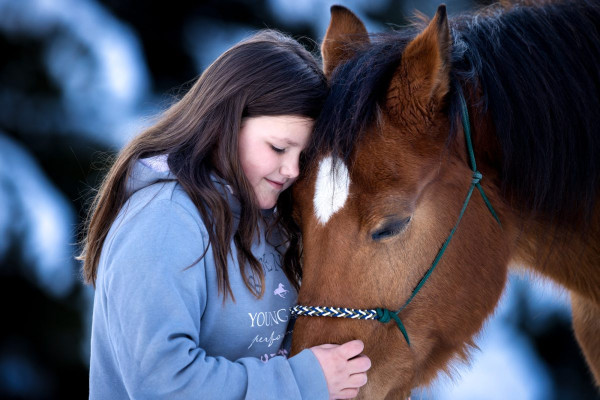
[277, 121]
[290, 129]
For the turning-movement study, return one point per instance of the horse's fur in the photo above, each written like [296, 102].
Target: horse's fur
[532, 83]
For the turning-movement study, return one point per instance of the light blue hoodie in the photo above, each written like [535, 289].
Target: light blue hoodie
[161, 330]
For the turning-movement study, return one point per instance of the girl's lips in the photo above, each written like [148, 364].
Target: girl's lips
[276, 185]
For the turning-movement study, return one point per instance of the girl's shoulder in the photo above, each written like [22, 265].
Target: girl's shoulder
[151, 184]
[161, 196]
[155, 209]
[158, 230]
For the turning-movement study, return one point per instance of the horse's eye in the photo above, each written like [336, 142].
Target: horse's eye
[390, 229]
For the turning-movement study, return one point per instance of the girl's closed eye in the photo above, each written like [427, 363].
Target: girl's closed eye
[277, 149]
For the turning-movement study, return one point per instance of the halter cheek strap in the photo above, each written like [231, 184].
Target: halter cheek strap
[385, 315]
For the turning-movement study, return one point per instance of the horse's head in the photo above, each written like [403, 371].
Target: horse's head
[373, 219]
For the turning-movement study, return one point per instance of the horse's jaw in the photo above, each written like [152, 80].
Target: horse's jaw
[389, 378]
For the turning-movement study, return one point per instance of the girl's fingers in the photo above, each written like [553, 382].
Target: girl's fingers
[357, 380]
[361, 363]
[344, 367]
[351, 349]
[347, 394]
[327, 346]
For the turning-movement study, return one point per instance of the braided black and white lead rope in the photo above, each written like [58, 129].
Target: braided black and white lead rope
[382, 315]
[338, 312]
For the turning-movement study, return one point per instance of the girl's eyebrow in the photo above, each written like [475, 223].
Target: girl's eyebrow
[287, 141]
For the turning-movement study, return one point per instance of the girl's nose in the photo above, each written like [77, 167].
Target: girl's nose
[290, 168]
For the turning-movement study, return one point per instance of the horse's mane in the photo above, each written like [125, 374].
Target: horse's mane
[538, 70]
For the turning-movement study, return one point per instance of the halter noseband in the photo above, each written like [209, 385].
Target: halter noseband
[385, 315]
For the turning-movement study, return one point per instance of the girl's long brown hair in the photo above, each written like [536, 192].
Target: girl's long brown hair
[267, 74]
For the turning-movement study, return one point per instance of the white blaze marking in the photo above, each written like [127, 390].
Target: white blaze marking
[331, 189]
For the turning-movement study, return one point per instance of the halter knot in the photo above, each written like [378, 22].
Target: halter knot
[384, 316]
[476, 177]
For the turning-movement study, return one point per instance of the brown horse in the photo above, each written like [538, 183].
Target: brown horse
[393, 170]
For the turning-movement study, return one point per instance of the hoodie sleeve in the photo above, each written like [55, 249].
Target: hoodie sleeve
[154, 305]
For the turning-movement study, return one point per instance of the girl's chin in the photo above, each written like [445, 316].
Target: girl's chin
[267, 204]
[267, 197]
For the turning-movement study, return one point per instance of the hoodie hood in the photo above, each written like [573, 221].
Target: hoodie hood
[152, 170]
[148, 171]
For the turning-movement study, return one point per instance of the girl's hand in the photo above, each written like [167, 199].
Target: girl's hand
[345, 370]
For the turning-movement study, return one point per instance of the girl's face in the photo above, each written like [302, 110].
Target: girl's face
[269, 151]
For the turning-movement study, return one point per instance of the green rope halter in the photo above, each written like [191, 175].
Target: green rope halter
[385, 315]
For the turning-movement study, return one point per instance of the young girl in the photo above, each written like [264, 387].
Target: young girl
[184, 243]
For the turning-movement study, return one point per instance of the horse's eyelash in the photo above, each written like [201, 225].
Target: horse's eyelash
[391, 230]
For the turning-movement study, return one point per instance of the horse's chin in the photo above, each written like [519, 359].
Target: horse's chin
[393, 370]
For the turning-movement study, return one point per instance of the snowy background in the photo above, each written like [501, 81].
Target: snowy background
[78, 78]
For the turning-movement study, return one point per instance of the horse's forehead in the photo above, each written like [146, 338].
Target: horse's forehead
[332, 187]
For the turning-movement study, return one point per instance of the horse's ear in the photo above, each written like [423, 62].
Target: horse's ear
[344, 28]
[423, 77]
